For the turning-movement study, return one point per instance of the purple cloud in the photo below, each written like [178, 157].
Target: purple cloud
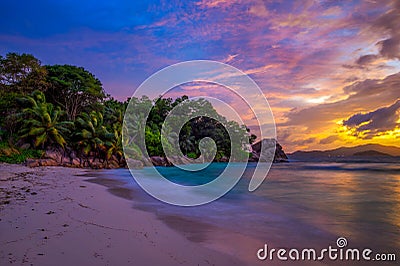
[380, 120]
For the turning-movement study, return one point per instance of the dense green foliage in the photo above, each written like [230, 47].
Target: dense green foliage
[192, 132]
[40, 122]
[21, 73]
[65, 107]
[73, 88]
[13, 155]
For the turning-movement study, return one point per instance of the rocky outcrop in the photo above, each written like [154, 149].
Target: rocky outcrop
[59, 157]
[136, 164]
[280, 155]
[159, 161]
[174, 160]
[262, 151]
[180, 160]
[32, 162]
[41, 162]
[54, 155]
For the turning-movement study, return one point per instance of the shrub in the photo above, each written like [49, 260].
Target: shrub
[12, 155]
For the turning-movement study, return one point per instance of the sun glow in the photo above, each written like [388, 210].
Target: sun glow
[352, 135]
[318, 100]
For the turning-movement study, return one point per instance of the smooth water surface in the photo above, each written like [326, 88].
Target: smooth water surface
[298, 205]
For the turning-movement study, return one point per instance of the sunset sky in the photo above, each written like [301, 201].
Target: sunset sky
[329, 69]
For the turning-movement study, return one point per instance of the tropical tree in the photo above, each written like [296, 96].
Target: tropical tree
[187, 144]
[114, 147]
[153, 141]
[73, 88]
[113, 119]
[22, 73]
[91, 135]
[9, 112]
[114, 114]
[41, 122]
[135, 126]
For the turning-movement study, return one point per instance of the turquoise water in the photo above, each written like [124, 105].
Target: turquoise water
[298, 205]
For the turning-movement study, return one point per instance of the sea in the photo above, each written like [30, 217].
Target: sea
[299, 205]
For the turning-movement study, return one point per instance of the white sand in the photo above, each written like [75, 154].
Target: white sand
[73, 222]
[51, 216]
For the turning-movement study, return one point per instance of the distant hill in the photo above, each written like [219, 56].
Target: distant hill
[371, 152]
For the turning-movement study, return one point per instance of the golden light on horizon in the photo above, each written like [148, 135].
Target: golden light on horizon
[391, 134]
[352, 135]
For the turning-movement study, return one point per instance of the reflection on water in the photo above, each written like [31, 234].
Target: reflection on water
[360, 202]
[299, 204]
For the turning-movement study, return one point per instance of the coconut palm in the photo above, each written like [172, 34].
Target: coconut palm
[114, 117]
[91, 135]
[41, 122]
[134, 126]
[114, 147]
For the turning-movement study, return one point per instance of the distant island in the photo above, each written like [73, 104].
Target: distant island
[362, 153]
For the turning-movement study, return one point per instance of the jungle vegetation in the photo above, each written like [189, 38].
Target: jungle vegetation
[65, 107]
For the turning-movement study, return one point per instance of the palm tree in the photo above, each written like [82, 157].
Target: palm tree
[41, 122]
[135, 128]
[91, 135]
[114, 147]
[187, 144]
[114, 117]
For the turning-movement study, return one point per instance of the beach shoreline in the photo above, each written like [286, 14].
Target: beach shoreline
[52, 216]
[71, 216]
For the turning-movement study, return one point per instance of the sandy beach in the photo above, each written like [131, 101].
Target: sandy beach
[66, 216]
[52, 216]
